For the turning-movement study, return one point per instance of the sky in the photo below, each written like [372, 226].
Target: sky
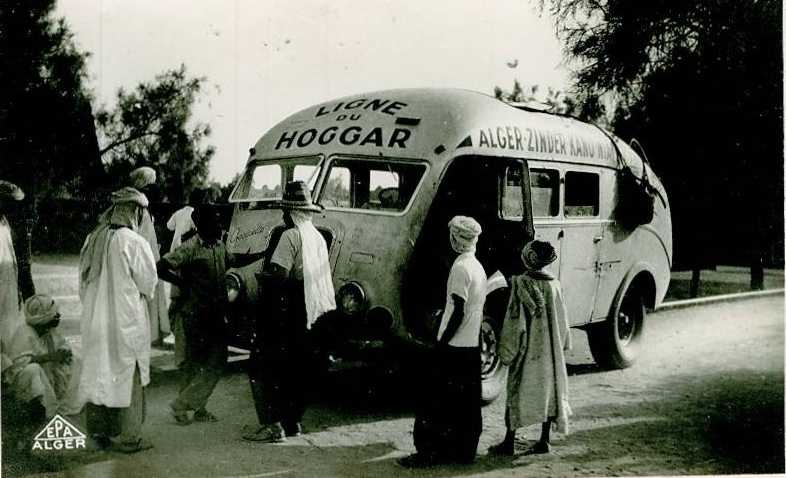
[266, 59]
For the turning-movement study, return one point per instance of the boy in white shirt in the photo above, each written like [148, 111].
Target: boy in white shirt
[448, 423]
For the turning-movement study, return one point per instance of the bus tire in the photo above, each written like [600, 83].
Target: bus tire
[615, 343]
[492, 371]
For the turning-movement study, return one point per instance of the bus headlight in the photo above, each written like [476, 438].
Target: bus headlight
[233, 284]
[351, 299]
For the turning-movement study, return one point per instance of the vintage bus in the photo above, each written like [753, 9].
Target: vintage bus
[390, 168]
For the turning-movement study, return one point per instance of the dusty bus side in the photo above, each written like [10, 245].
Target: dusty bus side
[610, 273]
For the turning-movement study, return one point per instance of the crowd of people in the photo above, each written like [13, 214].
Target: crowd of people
[132, 295]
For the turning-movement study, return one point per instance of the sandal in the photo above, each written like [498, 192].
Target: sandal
[267, 434]
[502, 449]
[204, 416]
[134, 447]
[539, 448]
[180, 416]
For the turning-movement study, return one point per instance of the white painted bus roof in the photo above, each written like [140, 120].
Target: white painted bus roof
[450, 122]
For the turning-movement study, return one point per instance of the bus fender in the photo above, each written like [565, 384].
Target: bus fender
[634, 272]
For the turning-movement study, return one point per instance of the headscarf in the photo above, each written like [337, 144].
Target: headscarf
[317, 278]
[40, 309]
[141, 177]
[536, 255]
[123, 213]
[10, 191]
[464, 232]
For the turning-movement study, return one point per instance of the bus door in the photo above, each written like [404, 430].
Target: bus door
[580, 239]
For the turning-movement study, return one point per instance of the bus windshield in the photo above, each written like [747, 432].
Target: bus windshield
[265, 180]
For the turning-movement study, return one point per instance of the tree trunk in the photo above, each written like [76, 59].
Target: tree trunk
[757, 272]
[695, 281]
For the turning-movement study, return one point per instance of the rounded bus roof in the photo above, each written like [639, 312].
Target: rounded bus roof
[438, 124]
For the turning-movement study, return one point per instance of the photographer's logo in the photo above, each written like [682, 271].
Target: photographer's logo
[59, 434]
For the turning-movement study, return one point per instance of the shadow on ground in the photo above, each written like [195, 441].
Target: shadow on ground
[722, 423]
[718, 423]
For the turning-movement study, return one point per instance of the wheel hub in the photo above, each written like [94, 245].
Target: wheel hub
[488, 348]
[625, 327]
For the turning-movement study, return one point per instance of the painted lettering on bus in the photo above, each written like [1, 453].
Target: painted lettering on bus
[388, 107]
[348, 136]
[541, 141]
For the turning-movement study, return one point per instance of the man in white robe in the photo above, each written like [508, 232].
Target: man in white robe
[118, 277]
[10, 310]
[143, 179]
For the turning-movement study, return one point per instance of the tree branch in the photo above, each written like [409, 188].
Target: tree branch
[119, 142]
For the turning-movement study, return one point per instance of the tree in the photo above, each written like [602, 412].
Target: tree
[47, 136]
[700, 84]
[587, 108]
[152, 125]
[226, 190]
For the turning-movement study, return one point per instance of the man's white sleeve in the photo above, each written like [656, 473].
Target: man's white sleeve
[143, 267]
[459, 282]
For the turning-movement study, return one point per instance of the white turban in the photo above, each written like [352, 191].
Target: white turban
[141, 177]
[464, 232]
[131, 195]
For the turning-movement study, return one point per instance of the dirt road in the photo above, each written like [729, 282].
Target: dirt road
[705, 398]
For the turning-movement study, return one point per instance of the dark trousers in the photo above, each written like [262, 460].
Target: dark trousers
[204, 362]
[448, 419]
[279, 368]
[278, 385]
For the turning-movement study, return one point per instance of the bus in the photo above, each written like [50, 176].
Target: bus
[390, 168]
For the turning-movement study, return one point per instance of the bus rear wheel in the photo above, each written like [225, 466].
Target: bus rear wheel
[615, 343]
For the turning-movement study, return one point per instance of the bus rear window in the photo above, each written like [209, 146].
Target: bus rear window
[582, 194]
[370, 185]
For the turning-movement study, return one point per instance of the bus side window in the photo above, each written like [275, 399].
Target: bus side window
[582, 194]
[544, 184]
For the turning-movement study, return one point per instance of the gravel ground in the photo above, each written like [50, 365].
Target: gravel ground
[705, 398]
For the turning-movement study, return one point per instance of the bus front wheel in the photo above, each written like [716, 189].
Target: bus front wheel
[492, 372]
[615, 342]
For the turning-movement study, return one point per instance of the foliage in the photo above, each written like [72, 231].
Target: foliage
[584, 107]
[152, 126]
[47, 137]
[699, 83]
[226, 190]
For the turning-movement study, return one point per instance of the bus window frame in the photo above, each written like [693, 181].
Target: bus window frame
[380, 159]
[564, 189]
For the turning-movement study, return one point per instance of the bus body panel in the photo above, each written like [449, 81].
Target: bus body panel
[597, 259]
